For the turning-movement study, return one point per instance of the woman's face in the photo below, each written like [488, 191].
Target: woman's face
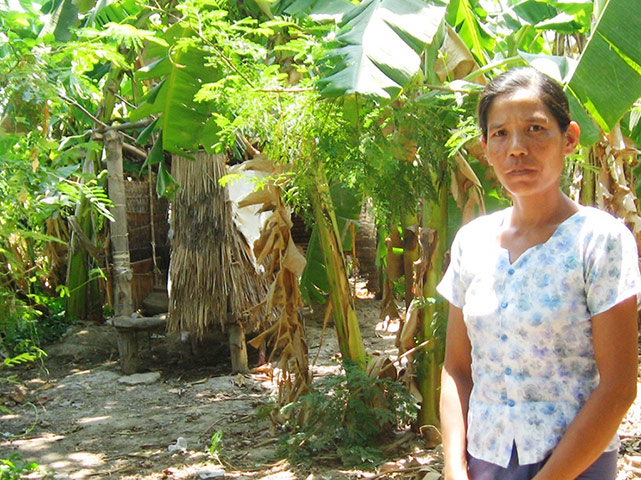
[525, 144]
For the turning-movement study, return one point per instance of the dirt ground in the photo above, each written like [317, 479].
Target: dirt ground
[78, 417]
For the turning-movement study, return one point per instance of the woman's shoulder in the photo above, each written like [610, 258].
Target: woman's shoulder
[487, 223]
[480, 231]
[598, 227]
[595, 218]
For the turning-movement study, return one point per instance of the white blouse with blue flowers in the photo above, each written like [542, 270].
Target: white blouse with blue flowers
[529, 325]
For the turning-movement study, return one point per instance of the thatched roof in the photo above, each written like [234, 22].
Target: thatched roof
[213, 278]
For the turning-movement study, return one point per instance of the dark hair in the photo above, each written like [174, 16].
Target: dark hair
[551, 92]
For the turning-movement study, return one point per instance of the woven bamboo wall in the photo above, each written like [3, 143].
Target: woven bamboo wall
[139, 230]
[139, 221]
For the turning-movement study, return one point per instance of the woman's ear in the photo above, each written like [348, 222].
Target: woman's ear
[572, 136]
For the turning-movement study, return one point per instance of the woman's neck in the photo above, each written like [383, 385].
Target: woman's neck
[536, 211]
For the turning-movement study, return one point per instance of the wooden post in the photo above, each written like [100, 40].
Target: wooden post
[121, 270]
[238, 348]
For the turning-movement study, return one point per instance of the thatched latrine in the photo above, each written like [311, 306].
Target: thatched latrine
[213, 278]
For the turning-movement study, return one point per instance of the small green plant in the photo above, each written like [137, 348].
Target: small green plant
[215, 445]
[14, 467]
[348, 415]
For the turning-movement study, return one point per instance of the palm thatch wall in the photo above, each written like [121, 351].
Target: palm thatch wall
[213, 278]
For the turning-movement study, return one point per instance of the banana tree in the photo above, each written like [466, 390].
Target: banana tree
[382, 50]
[92, 36]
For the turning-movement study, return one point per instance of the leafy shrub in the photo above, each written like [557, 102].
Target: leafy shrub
[14, 467]
[23, 325]
[348, 415]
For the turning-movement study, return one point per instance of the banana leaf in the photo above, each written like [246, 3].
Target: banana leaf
[607, 79]
[183, 68]
[380, 43]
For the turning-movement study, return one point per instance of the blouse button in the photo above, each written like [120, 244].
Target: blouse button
[504, 337]
[504, 305]
[511, 403]
[508, 371]
[511, 271]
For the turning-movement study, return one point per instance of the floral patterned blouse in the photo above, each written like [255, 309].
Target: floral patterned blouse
[529, 325]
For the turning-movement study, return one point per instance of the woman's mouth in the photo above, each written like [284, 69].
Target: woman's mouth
[520, 171]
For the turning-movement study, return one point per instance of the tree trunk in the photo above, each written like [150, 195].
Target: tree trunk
[348, 332]
[121, 271]
[433, 242]
[366, 248]
[393, 271]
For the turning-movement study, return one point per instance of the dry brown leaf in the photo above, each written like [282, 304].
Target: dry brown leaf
[467, 171]
[257, 197]
[408, 332]
[456, 60]
[260, 163]
[293, 259]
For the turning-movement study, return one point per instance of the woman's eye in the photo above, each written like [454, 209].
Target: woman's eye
[499, 133]
[535, 128]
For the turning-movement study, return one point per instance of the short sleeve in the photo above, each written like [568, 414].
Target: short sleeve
[611, 267]
[451, 286]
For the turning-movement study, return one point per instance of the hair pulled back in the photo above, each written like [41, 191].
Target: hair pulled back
[552, 94]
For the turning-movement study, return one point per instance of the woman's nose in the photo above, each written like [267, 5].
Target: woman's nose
[517, 145]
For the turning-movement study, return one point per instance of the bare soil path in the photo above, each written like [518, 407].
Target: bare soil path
[79, 418]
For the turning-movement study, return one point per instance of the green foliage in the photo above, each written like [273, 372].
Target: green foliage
[27, 324]
[349, 415]
[14, 467]
[22, 358]
[43, 140]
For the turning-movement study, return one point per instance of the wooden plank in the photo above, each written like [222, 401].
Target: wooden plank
[138, 323]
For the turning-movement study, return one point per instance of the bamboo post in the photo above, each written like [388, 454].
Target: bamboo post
[121, 271]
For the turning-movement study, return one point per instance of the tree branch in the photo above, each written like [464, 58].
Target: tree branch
[134, 150]
[72, 102]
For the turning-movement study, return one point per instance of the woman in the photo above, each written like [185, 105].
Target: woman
[541, 353]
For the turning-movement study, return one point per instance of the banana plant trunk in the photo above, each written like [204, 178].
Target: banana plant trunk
[433, 243]
[84, 290]
[78, 263]
[409, 221]
[348, 332]
[588, 185]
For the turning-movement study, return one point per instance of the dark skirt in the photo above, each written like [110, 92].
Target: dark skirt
[604, 468]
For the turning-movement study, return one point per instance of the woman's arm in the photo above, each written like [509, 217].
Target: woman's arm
[615, 349]
[456, 385]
